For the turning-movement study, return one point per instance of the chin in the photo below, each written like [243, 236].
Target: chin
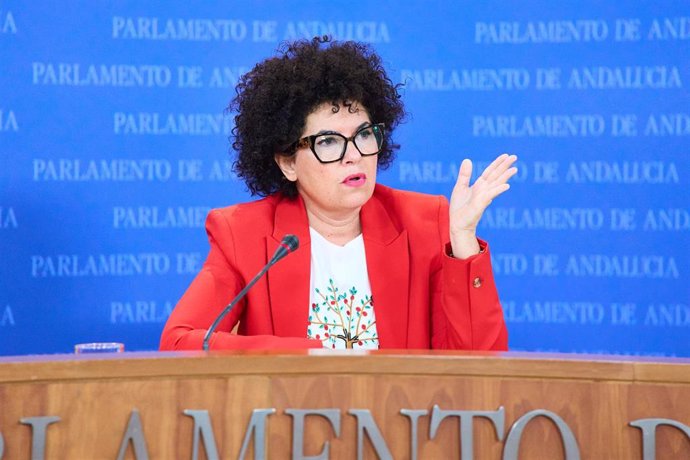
[358, 198]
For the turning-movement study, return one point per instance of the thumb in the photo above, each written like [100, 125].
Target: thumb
[464, 174]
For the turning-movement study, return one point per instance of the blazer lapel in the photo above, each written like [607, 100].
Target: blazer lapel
[388, 265]
[288, 280]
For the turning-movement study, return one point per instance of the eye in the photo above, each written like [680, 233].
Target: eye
[365, 133]
[325, 141]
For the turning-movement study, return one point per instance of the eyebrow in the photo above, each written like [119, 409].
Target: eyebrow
[325, 131]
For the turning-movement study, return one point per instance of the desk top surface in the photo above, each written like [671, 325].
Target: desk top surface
[130, 365]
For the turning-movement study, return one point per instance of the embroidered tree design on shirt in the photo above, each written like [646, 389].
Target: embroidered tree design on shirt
[341, 317]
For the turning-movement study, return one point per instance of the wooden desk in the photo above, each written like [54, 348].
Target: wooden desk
[94, 396]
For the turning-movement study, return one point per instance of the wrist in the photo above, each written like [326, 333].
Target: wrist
[464, 244]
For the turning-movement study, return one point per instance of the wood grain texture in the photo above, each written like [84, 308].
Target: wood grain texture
[596, 397]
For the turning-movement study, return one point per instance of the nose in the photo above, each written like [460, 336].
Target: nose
[351, 154]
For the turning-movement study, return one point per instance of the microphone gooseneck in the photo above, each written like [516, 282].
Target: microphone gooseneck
[289, 244]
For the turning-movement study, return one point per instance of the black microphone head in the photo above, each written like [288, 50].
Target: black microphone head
[288, 245]
[291, 242]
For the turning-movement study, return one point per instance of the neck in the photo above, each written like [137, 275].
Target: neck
[338, 229]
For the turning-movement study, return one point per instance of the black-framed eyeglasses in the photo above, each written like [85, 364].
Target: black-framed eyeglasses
[330, 146]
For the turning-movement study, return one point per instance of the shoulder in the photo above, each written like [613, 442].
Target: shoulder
[422, 216]
[238, 213]
[244, 219]
[407, 206]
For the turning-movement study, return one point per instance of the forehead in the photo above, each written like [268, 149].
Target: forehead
[345, 119]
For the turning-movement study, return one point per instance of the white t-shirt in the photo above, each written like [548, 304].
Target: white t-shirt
[341, 310]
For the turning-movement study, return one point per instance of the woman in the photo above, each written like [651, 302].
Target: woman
[377, 267]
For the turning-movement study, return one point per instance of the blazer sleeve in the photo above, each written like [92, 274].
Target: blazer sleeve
[466, 311]
[214, 287]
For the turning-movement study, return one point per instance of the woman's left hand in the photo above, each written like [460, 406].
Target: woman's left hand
[467, 203]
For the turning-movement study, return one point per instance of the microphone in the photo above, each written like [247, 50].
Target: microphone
[289, 244]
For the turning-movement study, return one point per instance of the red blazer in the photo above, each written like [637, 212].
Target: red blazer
[423, 297]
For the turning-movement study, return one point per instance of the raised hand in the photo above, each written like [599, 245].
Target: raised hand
[467, 203]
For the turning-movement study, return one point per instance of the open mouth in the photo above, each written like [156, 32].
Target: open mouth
[355, 179]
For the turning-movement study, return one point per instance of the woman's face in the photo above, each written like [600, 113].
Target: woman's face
[339, 188]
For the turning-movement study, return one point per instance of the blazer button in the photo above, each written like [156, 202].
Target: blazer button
[477, 282]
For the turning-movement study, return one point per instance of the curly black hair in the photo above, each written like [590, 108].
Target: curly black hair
[274, 99]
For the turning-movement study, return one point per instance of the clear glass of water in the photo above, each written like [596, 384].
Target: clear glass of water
[99, 347]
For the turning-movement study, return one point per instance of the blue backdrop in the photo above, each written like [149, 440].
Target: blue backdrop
[113, 147]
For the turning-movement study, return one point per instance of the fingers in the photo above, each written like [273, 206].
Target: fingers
[497, 190]
[507, 174]
[486, 196]
[497, 181]
[498, 186]
[494, 164]
[498, 167]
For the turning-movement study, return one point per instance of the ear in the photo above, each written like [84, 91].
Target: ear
[287, 166]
